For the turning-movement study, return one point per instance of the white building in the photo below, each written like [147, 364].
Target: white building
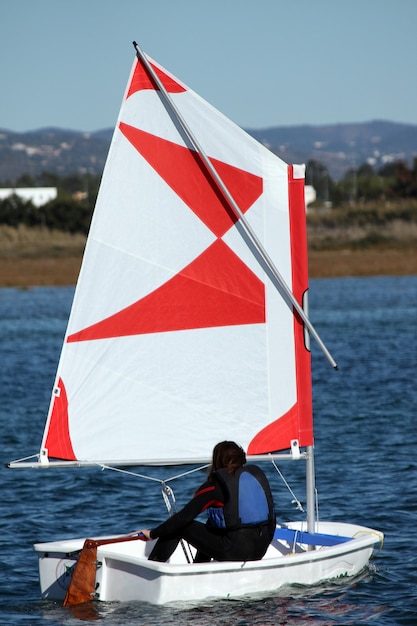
[37, 195]
[310, 194]
[41, 195]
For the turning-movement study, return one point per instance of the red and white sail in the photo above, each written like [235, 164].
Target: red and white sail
[178, 338]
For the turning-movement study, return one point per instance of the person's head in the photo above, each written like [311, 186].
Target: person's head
[228, 455]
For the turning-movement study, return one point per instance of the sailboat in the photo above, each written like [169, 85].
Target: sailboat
[189, 326]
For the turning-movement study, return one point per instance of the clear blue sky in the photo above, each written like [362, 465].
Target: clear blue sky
[261, 62]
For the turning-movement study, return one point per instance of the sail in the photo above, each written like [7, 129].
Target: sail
[178, 336]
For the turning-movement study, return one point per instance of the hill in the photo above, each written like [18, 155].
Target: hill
[339, 147]
[342, 147]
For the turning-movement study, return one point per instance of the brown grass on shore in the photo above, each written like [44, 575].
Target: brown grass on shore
[31, 257]
[376, 261]
[25, 272]
[39, 257]
[47, 271]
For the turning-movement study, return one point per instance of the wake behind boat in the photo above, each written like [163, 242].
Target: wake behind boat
[189, 326]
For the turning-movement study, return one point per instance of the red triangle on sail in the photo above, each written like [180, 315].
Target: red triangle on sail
[141, 80]
[277, 435]
[183, 170]
[297, 422]
[58, 442]
[216, 289]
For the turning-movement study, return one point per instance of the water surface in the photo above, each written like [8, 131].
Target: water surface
[365, 432]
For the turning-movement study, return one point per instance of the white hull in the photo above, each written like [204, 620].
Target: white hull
[125, 574]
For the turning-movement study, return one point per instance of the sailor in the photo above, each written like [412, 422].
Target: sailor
[241, 518]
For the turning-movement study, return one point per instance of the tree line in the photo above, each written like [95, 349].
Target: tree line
[71, 211]
[392, 182]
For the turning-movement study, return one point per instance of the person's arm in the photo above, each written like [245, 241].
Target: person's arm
[209, 494]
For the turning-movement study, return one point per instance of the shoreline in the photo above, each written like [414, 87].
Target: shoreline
[56, 269]
[367, 262]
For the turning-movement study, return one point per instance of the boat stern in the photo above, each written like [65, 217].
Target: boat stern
[56, 562]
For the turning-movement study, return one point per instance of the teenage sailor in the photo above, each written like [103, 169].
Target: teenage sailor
[239, 504]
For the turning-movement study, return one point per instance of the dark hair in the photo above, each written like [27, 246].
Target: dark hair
[229, 455]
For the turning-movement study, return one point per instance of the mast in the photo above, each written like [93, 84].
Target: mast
[310, 490]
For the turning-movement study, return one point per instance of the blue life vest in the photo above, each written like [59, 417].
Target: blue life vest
[247, 499]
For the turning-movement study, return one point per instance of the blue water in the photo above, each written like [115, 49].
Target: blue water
[366, 437]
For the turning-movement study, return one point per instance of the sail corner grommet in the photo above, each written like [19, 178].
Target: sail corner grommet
[295, 449]
[43, 456]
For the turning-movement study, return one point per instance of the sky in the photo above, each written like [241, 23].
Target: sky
[263, 63]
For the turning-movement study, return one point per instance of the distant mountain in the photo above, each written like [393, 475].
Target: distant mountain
[339, 147]
[54, 150]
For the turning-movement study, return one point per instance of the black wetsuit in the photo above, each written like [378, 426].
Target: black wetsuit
[239, 543]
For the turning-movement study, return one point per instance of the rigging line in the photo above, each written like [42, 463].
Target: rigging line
[191, 471]
[295, 501]
[123, 471]
[26, 458]
[168, 493]
[159, 480]
[232, 203]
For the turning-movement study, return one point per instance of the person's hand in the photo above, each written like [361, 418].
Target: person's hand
[143, 534]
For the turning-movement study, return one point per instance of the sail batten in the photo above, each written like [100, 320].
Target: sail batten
[178, 336]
